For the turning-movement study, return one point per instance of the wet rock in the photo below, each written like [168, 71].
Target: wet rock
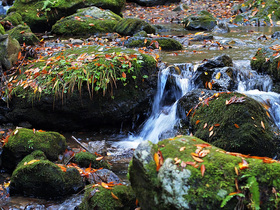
[23, 34]
[176, 186]
[201, 21]
[181, 7]
[201, 37]
[164, 42]
[119, 197]
[9, 49]
[76, 41]
[276, 35]
[104, 175]
[98, 147]
[43, 14]
[87, 21]
[240, 127]
[86, 159]
[116, 104]
[24, 141]
[131, 26]
[221, 28]
[266, 61]
[36, 176]
[150, 3]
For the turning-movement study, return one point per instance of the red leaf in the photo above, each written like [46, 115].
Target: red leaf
[123, 75]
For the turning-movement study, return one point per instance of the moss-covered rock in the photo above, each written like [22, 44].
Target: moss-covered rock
[23, 34]
[14, 18]
[201, 21]
[266, 61]
[130, 26]
[9, 49]
[163, 42]
[85, 159]
[123, 82]
[40, 15]
[2, 30]
[87, 21]
[36, 176]
[243, 126]
[185, 182]
[24, 141]
[119, 197]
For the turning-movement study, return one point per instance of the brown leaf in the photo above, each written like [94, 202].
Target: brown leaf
[114, 196]
[197, 159]
[203, 153]
[236, 171]
[202, 169]
[103, 184]
[182, 149]
[211, 128]
[158, 159]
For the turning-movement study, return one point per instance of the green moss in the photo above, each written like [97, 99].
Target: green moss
[204, 192]
[130, 26]
[14, 17]
[37, 176]
[164, 42]
[200, 21]
[240, 126]
[2, 30]
[101, 198]
[23, 34]
[85, 159]
[24, 141]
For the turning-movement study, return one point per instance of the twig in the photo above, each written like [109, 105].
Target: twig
[73, 137]
[69, 160]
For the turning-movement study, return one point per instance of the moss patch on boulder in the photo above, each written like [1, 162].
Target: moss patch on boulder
[23, 34]
[2, 30]
[14, 18]
[201, 21]
[266, 61]
[9, 49]
[180, 183]
[163, 42]
[85, 159]
[36, 176]
[130, 26]
[119, 197]
[23, 141]
[243, 126]
[87, 21]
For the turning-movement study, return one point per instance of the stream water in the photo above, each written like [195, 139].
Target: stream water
[163, 119]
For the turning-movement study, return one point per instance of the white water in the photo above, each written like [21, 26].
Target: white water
[163, 117]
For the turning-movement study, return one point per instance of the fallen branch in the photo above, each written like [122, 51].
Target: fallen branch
[73, 137]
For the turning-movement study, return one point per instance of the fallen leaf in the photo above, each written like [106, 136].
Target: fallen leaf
[197, 159]
[158, 159]
[203, 145]
[211, 128]
[197, 122]
[217, 125]
[123, 75]
[182, 149]
[114, 196]
[237, 126]
[203, 153]
[236, 171]
[211, 133]
[32, 161]
[103, 184]
[91, 24]
[262, 124]
[218, 75]
[205, 125]
[99, 158]
[243, 165]
[202, 169]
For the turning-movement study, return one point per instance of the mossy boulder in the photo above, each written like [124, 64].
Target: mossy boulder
[36, 176]
[101, 198]
[184, 183]
[23, 34]
[9, 49]
[122, 85]
[202, 21]
[85, 159]
[243, 126]
[266, 61]
[130, 26]
[163, 42]
[23, 141]
[14, 18]
[2, 30]
[87, 21]
[40, 15]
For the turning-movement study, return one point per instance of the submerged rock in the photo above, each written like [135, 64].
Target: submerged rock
[23, 141]
[185, 181]
[221, 28]
[117, 197]
[242, 124]
[131, 26]
[23, 34]
[202, 21]
[36, 176]
[87, 21]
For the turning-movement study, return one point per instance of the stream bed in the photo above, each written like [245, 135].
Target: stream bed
[240, 44]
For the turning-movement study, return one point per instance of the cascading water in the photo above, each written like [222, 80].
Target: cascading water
[176, 80]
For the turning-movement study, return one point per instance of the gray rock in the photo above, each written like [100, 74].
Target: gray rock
[9, 49]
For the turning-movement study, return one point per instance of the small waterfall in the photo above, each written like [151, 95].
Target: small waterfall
[173, 82]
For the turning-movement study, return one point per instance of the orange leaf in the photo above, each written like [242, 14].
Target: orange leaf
[203, 145]
[211, 128]
[202, 169]
[197, 159]
[158, 159]
[91, 24]
[203, 153]
[243, 165]
[197, 122]
[205, 125]
[103, 184]
[236, 171]
[99, 158]
[123, 75]
[237, 126]
[217, 125]
[262, 124]
[114, 196]
[19, 55]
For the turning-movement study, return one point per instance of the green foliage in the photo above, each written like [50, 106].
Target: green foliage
[225, 201]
